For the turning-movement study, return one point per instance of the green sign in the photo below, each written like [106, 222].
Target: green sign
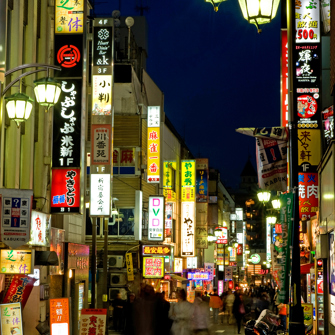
[255, 258]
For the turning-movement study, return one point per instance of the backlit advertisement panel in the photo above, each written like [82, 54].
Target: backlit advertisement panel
[65, 191]
[11, 318]
[69, 17]
[40, 229]
[284, 78]
[100, 204]
[188, 180]
[102, 95]
[187, 229]
[60, 316]
[101, 142]
[308, 194]
[153, 267]
[156, 218]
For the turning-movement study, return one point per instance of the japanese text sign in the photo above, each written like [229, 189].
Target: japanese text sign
[202, 180]
[188, 180]
[153, 143]
[198, 275]
[308, 194]
[15, 216]
[201, 241]
[192, 262]
[169, 174]
[16, 261]
[168, 215]
[69, 17]
[223, 239]
[153, 267]
[65, 191]
[239, 250]
[162, 250]
[40, 229]
[102, 95]
[93, 321]
[67, 125]
[178, 265]
[284, 78]
[59, 316]
[19, 289]
[130, 268]
[209, 268]
[101, 144]
[102, 45]
[156, 218]
[11, 319]
[100, 195]
[187, 228]
[309, 145]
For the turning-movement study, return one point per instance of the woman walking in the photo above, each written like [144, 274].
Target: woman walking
[238, 310]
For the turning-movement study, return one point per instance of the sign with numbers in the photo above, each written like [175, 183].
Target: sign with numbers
[11, 318]
[15, 216]
[59, 316]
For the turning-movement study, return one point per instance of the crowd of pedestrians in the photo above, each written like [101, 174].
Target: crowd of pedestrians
[151, 314]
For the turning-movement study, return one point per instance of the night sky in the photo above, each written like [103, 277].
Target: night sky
[217, 74]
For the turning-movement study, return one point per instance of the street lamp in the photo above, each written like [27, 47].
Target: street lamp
[263, 196]
[259, 11]
[276, 203]
[47, 91]
[215, 3]
[19, 106]
[271, 219]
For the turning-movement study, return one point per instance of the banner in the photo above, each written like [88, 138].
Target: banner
[284, 263]
[93, 321]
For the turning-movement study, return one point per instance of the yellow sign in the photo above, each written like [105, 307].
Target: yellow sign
[309, 146]
[153, 267]
[11, 318]
[188, 180]
[169, 174]
[16, 261]
[69, 17]
[102, 95]
[130, 268]
[153, 154]
[169, 195]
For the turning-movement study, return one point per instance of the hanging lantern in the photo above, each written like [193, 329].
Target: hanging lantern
[47, 91]
[215, 3]
[259, 11]
[264, 196]
[276, 203]
[19, 106]
[271, 219]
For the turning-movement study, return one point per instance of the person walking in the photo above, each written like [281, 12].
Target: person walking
[201, 321]
[238, 310]
[229, 306]
[129, 315]
[215, 303]
[163, 323]
[118, 313]
[181, 313]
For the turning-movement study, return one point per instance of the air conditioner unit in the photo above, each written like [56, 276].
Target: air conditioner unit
[115, 261]
[118, 279]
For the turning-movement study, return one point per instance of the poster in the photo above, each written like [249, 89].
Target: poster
[93, 321]
[59, 316]
[153, 267]
[11, 319]
[40, 229]
[16, 261]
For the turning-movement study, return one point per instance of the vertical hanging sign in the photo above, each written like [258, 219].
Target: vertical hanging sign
[154, 144]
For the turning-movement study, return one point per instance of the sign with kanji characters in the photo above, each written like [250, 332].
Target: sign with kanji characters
[59, 316]
[188, 180]
[102, 95]
[153, 143]
[65, 191]
[325, 15]
[202, 180]
[169, 171]
[187, 229]
[223, 238]
[198, 276]
[178, 265]
[67, 125]
[201, 237]
[239, 250]
[209, 267]
[125, 161]
[100, 204]
[309, 145]
[16, 261]
[69, 17]
[130, 268]
[20, 287]
[284, 79]
[15, 216]
[40, 229]
[153, 267]
[11, 319]
[162, 250]
[156, 218]
[308, 194]
[169, 195]
[328, 123]
[192, 262]
[101, 144]
[93, 321]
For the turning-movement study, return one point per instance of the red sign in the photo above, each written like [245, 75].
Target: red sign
[68, 56]
[264, 272]
[230, 284]
[308, 194]
[319, 262]
[239, 250]
[19, 289]
[284, 79]
[65, 190]
[320, 286]
[232, 263]
[307, 106]
[59, 315]
[278, 229]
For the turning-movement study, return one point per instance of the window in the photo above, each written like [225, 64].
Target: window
[122, 224]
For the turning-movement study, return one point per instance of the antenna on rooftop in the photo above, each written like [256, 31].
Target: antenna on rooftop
[142, 6]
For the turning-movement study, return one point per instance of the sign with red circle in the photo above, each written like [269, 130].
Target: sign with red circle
[307, 106]
[68, 56]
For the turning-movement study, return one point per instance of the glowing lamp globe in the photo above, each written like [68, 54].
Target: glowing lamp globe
[259, 11]
[19, 107]
[215, 3]
[264, 196]
[47, 91]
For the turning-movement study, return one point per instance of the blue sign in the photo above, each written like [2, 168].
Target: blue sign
[202, 185]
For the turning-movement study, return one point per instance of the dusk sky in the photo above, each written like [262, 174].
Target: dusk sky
[217, 74]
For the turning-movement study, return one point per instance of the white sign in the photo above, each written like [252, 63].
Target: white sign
[209, 267]
[40, 229]
[220, 287]
[100, 203]
[15, 218]
[154, 113]
[239, 214]
[168, 215]
[192, 262]
[268, 242]
[156, 218]
[187, 228]
[178, 265]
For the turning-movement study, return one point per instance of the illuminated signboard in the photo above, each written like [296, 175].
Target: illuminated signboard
[202, 180]
[268, 241]
[102, 95]
[102, 43]
[178, 265]
[284, 78]
[255, 258]
[187, 228]
[15, 216]
[16, 261]
[69, 17]
[101, 144]
[153, 142]
[59, 316]
[100, 195]
[192, 262]
[201, 238]
[239, 250]
[188, 180]
[163, 250]
[308, 194]
[220, 287]
[40, 229]
[153, 267]
[130, 267]
[65, 191]
[223, 239]
[169, 168]
[198, 275]
[11, 318]
[168, 219]
[209, 267]
[156, 218]
[67, 125]
[93, 321]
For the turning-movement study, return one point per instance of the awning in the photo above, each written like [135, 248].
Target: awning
[183, 280]
[305, 268]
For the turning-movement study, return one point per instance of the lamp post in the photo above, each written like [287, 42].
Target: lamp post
[215, 3]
